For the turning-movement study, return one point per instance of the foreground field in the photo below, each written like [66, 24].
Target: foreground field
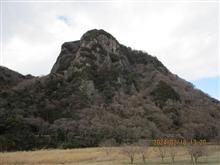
[98, 156]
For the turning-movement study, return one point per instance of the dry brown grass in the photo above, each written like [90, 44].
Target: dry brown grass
[89, 156]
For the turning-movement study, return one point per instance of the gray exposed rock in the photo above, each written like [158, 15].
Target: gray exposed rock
[68, 53]
[88, 87]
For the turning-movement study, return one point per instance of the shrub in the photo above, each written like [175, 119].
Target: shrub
[163, 92]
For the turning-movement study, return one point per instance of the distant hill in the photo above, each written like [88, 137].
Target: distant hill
[99, 89]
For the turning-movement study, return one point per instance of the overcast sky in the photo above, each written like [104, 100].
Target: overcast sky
[184, 35]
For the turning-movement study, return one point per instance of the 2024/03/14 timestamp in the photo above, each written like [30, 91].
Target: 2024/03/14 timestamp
[166, 141]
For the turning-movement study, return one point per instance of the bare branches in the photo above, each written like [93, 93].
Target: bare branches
[196, 151]
[143, 149]
[172, 152]
[107, 145]
[162, 152]
[130, 151]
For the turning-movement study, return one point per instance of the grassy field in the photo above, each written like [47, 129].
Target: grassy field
[98, 156]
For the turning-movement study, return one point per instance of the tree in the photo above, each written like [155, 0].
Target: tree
[130, 151]
[107, 145]
[190, 151]
[162, 152]
[163, 92]
[196, 151]
[172, 152]
[143, 149]
[3, 144]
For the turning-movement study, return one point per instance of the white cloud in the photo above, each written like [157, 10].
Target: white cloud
[184, 36]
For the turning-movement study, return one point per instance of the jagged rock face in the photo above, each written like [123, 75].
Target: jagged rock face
[100, 89]
[94, 48]
[100, 37]
[98, 56]
[68, 53]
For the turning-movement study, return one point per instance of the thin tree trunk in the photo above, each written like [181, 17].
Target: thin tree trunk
[191, 158]
[144, 158]
[132, 159]
[196, 159]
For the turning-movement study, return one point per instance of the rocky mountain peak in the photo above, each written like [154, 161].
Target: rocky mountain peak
[93, 44]
[95, 48]
[106, 40]
[95, 34]
[99, 89]
[98, 56]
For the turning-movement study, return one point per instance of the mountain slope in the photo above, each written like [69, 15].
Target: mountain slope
[9, 78]
[99, 89]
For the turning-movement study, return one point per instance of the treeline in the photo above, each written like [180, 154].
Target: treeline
[88, 128]
[144, 150]
[35, 117]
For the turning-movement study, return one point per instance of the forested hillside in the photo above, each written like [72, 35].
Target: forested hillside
[99, 89]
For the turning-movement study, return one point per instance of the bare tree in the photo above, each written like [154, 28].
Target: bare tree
[142, 149]
[162, 152]
[190, 151]
[130, 151]
[107, 145]
[197, 151]
[172, 152]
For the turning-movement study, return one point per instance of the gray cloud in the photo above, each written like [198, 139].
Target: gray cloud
[184, 36]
